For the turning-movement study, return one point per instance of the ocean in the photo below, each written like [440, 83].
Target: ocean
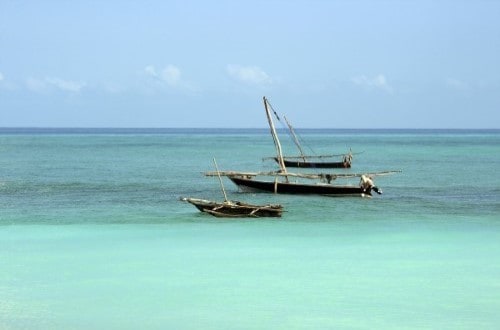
[93, 234]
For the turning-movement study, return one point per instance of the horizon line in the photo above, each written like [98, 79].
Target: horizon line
[8, 128]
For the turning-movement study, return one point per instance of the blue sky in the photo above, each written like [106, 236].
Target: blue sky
[323, 64]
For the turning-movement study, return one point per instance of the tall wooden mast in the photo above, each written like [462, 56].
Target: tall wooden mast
[275, 138]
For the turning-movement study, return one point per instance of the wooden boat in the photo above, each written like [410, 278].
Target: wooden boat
[251, 185]
[310, 161]
[287, 183]
[235, 209]
[281, 181]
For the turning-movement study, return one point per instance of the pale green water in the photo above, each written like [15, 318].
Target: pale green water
[92, 235]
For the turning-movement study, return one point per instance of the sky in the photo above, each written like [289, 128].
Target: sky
[197, 63]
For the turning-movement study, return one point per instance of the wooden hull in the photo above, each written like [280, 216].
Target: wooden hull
[299, 188]
[235, 209]
[307, 164]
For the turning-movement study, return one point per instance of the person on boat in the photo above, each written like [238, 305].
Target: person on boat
[346, 162]
[366, 183]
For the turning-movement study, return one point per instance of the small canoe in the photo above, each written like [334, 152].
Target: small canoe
[235, 209]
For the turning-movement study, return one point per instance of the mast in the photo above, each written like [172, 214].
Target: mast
[275, 138]
[220, 181]
[297, 143]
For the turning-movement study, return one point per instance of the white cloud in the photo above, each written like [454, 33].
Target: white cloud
[66, 85]
[5, 84]
[171, 75]
[48, 83]
[456, 84]
[249, 74]
[378, 82]
[36, 85]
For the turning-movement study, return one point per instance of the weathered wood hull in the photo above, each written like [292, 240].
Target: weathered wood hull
[235, 209]
[299, 188]
[307, 164]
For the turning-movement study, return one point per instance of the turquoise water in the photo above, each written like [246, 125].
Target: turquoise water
[92, 234]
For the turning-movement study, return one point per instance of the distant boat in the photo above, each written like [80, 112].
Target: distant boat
[282, 180]
[234, 209]
[303, 162]
[308, 161]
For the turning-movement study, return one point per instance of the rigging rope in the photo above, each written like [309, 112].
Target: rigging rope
[287, 129]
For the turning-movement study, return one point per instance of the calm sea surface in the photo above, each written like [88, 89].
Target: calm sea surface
[93, 235]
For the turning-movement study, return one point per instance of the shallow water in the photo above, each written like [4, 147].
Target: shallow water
[92, 234]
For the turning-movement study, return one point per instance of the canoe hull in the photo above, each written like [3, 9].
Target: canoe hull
[235, 209]
[306, 164]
